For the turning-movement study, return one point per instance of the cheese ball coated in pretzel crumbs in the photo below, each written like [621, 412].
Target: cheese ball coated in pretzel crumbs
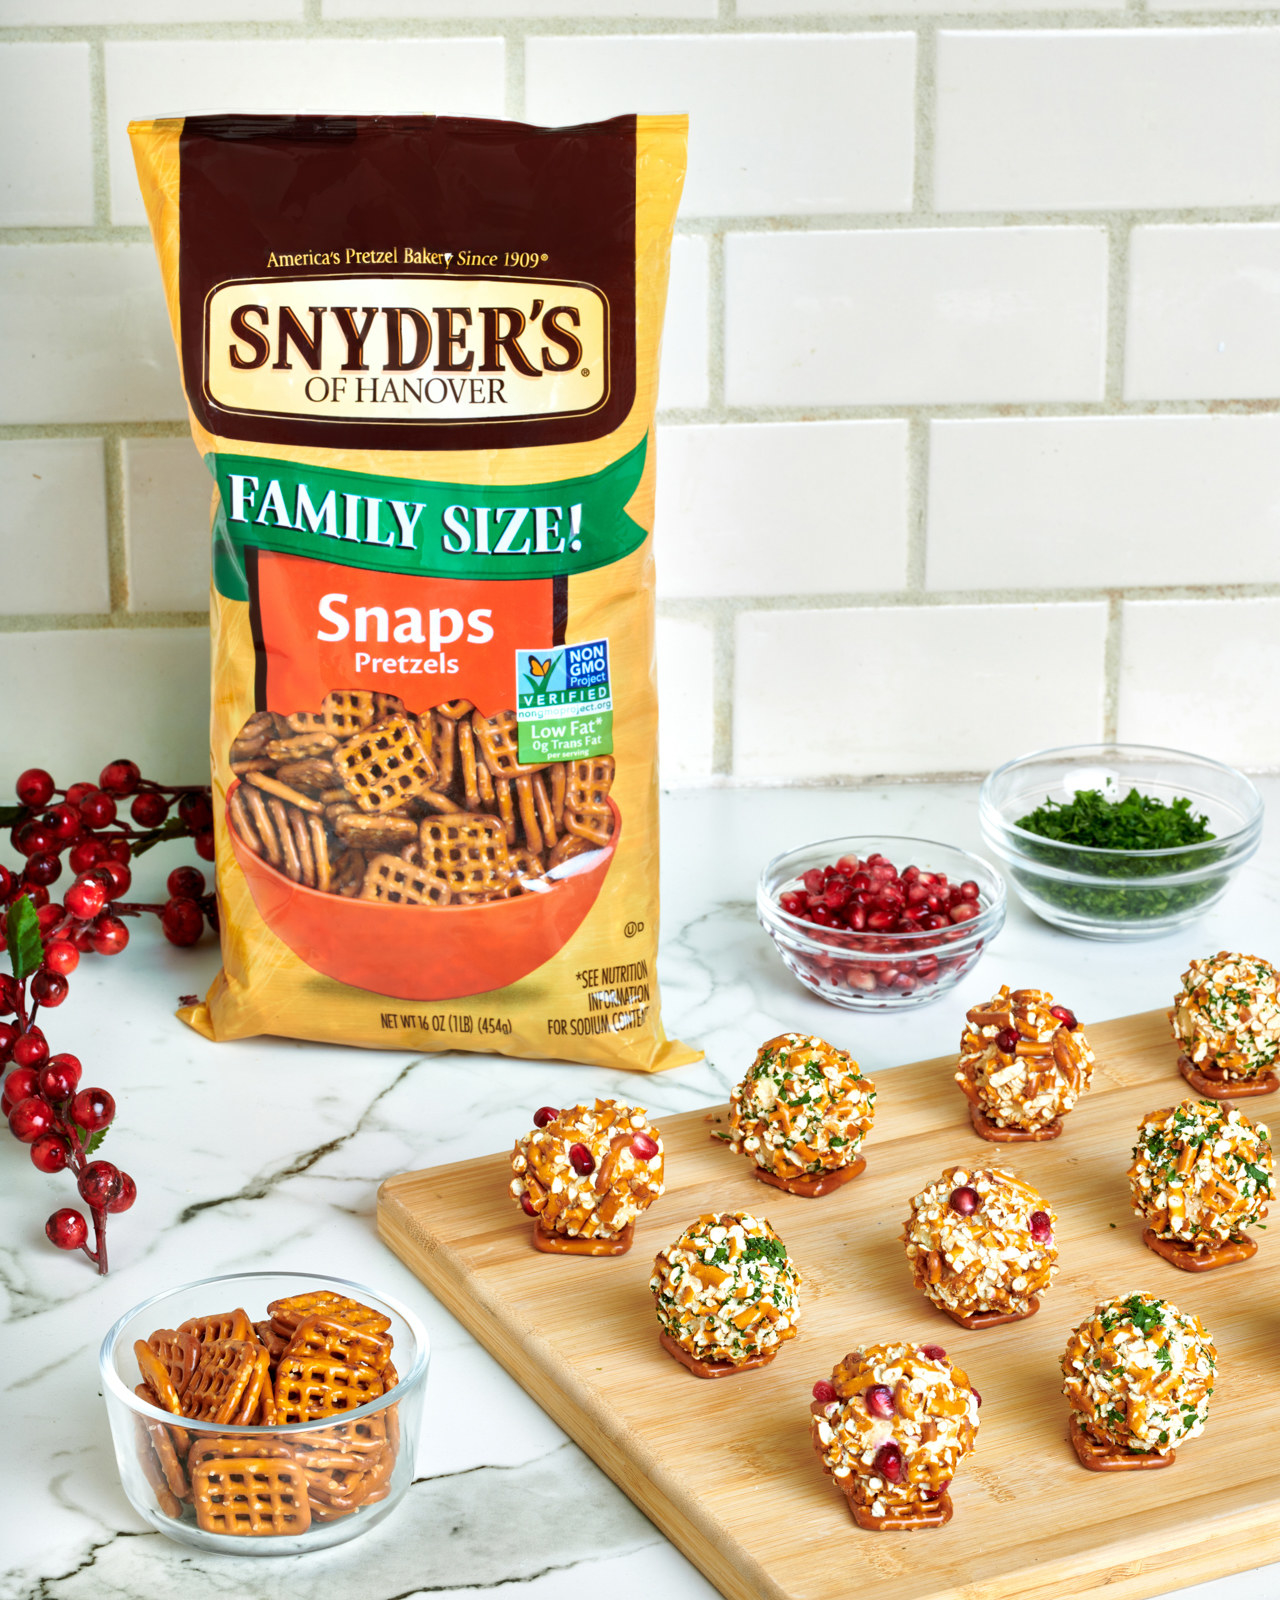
[899, 1427]
[1029, 1082]
[1227, 1014]
[726, 1290]
[980, 1240]
[1201, 1172]
[802, 1109]
[617, 1173]
[1138, 1373]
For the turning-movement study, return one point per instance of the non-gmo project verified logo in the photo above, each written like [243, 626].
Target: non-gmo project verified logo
[564, 702]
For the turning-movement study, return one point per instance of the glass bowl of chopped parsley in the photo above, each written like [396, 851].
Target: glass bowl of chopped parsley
[1119, 841]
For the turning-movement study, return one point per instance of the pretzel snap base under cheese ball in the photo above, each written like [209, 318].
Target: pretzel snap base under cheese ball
[1096, 1457]
[994, 1134]
[812, 1184]
[714, 1369]
[902, 1519]
[976, 1321]
[1200, 1258]
[560, 1244]
[1214, 1083]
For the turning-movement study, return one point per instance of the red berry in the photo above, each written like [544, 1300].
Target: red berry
[149, 809]
[58, 1078]
[128, 1194]
[204, 844]
[527, 1206]
[109, 936]
[182, 921]
[888, 1462]
[581, 1159]
[119, 777]
[185, 883]
[61, 956]
[99, 1184]
[879, 1400]
[37, 894]
[643, 1147]
[42, 870]
[934, 1352]
[543, 1115]
[30, 1049]
[30, 1118]
[1041, 1227]
[97, 810]
[63, 822]
[35, 787]
[116, 848]
[1007, 1040]
[1065, 1016]
[8, 996]
[49, 988]
[965, 1200]
[93, 1109]
[67, 1229]
[116, 876]
[31, 839]
[823, 1392]
[86, 854]
[85, 898]
[21, 1082]
[7, 883]
[49, 1152]
[80, 791]
[48, 917]
[195, 811]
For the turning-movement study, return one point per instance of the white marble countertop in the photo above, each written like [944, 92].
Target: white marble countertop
[270, 1152]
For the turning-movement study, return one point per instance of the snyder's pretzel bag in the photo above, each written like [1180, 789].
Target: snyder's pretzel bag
[420, 356]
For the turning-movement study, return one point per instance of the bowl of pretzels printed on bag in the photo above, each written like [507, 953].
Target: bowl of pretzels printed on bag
[267, 1413]
[412, 853]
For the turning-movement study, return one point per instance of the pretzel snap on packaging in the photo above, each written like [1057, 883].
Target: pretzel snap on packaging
[420, 356]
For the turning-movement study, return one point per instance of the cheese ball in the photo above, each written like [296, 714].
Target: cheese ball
[892, 1426]
[726, 1290]
[587, 1172]
[1201, 1173]
[1024, 1061]
[981, 1241]
[1139, 1373]
[1226, 1016]
[803, 1108]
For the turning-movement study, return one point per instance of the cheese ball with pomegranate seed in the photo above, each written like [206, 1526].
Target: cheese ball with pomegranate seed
[1226, 1016]
[587, 1172]
[1138, 1374]
[1201, 1172]
[726, 1290]
[1024, 1061]
[892, 1427]
[981, 1243]
[802, 1111]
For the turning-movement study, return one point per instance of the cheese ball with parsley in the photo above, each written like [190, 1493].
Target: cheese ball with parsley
[1138, 1374]
[981, 1240]
[1201, 1173]
[803, 1108]
[893, 1425]
[1226, 1016]
[1024, 1061]
[588, 1171]
[726, 1290]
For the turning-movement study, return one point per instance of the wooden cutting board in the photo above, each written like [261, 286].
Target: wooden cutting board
[726, 1468]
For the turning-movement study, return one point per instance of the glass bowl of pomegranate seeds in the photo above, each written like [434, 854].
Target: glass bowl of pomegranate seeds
[877, 923]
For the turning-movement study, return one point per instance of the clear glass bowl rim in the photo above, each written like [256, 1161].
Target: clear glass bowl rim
[801, 928]
[987, 807]
[120, 1390]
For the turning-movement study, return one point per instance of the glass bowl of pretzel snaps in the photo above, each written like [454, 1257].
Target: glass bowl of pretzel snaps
[411, 853]
[265, 1413]
[879, 923]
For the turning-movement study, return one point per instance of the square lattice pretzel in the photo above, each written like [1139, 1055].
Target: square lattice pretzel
[587, 784]
[499, 739]
[385, 765]
[250, 1495]
[399, 883]
[468, 850]
[310, 1386]
[221, 1377]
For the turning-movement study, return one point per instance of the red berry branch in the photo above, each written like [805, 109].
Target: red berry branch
[47, 1110]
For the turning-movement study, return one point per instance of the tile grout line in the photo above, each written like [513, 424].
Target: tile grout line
[723, 667]
[1118, 235]
[1112, 661]
[514, 67]
[99, 162]
[117, 552]
[919, 438]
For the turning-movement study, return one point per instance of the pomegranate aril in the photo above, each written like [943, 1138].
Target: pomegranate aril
[30, 1118]
[964, 912]
[543, 1115]
[976, 1396]
[934, 1352]
[813, 880]
[581, 1160]
[49, 1153]
[847, 865]
[527, 1206]
[888, 1462]
[881, 921]
[1007, 1040]
[1064, 1015]
[67, 1229]
[644, 1147]
[965, 1200]
[823, 1392]
[860, 978]
[1041, 1227]
[879, 1400]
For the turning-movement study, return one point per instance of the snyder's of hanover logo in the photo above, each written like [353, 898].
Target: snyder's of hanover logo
[407, 349]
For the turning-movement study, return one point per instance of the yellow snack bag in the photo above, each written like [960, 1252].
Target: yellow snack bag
[420, 356]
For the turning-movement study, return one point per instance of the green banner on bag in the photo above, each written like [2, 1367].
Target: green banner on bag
[408, 525]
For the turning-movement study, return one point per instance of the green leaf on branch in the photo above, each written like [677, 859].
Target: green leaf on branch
[91, 1141]
[12, 814]
[22, 930]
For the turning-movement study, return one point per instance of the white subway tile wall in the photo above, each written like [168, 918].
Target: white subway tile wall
[970, 398]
